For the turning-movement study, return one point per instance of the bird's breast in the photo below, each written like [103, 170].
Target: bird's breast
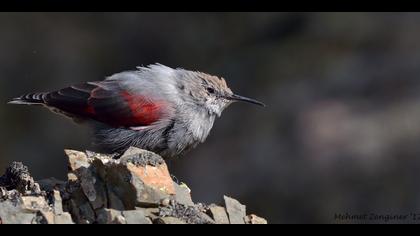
[200, 125]
[188, 130]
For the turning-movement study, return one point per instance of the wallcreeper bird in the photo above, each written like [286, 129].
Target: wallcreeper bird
[157, 108]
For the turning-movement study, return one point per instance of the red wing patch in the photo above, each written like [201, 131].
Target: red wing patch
[143, 111]
[89, 110]
[109, 105]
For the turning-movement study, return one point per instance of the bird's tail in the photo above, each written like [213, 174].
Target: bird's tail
[29, 99]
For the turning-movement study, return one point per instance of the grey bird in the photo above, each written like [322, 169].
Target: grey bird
[157, 108]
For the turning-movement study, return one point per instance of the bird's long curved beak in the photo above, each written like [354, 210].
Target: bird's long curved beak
[235, 97]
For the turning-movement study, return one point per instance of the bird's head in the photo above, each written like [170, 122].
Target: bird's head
[212, 92]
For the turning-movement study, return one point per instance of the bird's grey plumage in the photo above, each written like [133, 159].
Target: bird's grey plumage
[183, 127]
[192, 100]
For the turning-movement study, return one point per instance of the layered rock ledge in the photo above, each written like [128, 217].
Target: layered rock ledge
[137, 188]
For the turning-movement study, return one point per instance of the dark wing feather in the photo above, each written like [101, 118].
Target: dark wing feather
[106, 102]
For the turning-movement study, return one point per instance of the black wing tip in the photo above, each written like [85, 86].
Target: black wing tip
[28, 99]
[15, 101]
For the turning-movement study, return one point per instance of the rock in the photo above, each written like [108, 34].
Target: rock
[119, 183]
[21, 198]
[188, 214]
[78, 164]
[136, 217]
[75, 201]
[219, 214]
[81, 170]
[34, 204]
[26, 210]
[86, 214]
[87, 181]
[80, 208]
[76, 160]
[140, 157]
[166, 202]
[135, 185]
[120, 220]
[236, 211]
[18, 177]
[46, 217]
[255, 220]
[11, 213]
[58, 202]
[12, 195]
[170, 220]
[3, 193]
[203, 219]
[135, 189]
[109, 216]
[183, 195]
[93, 187]
[113, 201]
[152, 213]
[153, 183]
[64, 218]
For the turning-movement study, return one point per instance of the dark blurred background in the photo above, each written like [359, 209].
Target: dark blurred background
[340, 134]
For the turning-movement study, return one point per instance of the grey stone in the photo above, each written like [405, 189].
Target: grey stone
[76, 160]
[3, 193]
[136, 217]
[90, 181]
[236, 211]
[118, 180]
[87, 213]
[109, 216]
[219, 214]
[125, 188]
[169, 220]
[205, 219]
[152, 213]
[34, 204]
[80, 209]
[255, 220]
[79, 206]
[11, 213]
[92, 155]
[147, 196]
[87, 181]
[47, 217]
[64, 218]
[113, 201]
[131, 190]
[188, 214]
[101, 199]
[141, 157]
[17, 177]
[120, 220]
[183, 195]
[30, 206]
[166, 202]
[58, 202]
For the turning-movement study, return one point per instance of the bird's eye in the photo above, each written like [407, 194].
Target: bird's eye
[210, 90]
